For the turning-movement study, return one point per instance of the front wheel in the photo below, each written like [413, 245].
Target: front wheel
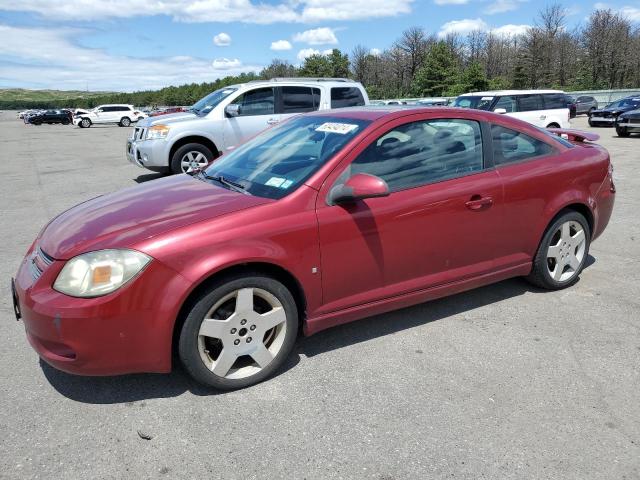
[239, 332]
[190, 157]
[622, 132]
[562, 253]
[125, 122]
[553, 125]
[85, 123]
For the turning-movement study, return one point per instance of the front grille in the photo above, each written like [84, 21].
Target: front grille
[38, 262]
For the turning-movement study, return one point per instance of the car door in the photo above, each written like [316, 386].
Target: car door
[256, 112]
[437, 225]
[531, 109]
[101, 115]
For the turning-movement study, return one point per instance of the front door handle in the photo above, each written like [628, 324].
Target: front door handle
[542, 117]
[479, 203]
[272, 121]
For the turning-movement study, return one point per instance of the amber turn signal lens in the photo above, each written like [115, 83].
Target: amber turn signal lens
[102, 274]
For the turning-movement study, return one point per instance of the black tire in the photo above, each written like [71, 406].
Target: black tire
[540, 276]
[65, 122]
[553, 125]
[622, 132]
[125, 122]
[188, 349]
[590, 122]
[174, 164]
[85, 123]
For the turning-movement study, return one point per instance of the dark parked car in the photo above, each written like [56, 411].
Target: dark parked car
[327, 218]
[628, 123]
[571, 105]
[607, 116]
[585, 104]
[52, 116]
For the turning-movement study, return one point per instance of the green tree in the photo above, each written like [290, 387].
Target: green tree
[440, 71]
[474, 78]
[316, 65]
[339, 63]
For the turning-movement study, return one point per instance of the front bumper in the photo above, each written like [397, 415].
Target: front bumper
[150, 154]
[629, 124]
[607, 120]
[127, 331]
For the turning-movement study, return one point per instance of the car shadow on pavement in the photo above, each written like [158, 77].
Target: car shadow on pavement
[148, 176]
[131, 388]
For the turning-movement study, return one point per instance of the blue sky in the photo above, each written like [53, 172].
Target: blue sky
[128, 45]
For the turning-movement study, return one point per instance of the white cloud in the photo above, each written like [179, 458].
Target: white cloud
[502, 6]
[317, 36]
[376, 52]
[307, 52]
[226, 64]
[222, 39]
[462, 27]
[52, 59]
[630, 13]
[510, 30]
[450, 2]
[222, 11]
[280, 45]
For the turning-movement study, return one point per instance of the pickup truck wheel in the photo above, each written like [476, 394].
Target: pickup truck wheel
[553, 125]
[622, 132]
[85, 123]
[562, 253]
[239, 332]
[190, 157]
[125, 122]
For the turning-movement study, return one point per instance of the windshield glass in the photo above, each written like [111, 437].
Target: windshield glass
[625, 102]
[479, 103]
[208, 103]
[280, 159]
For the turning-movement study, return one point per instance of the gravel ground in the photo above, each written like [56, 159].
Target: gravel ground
[500, 382]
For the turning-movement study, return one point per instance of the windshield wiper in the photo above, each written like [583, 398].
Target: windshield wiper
[231, 185]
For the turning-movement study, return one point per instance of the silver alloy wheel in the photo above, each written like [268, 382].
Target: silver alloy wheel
[242, 333]
[192, 161]
[566, 251]
[85, 123]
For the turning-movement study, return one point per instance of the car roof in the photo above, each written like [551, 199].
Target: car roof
[497, 93]
[375, 112]
[311, 81]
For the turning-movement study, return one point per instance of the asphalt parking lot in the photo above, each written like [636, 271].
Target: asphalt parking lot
[501, 382]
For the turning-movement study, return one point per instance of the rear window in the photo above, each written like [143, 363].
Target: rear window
[300, 99]
[530, 103]
[342, 97]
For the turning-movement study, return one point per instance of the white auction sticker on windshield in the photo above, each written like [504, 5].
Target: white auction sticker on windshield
[275, 182]
[341, 128]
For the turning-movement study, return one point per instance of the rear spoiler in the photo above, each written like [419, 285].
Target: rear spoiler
[574, 135]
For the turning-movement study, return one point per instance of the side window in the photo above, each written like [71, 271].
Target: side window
[508, 103]
[553, 101]
[298, 100]
[529, 103]
[346, 97]
[510, 146]
[256, 102]
[423, 152]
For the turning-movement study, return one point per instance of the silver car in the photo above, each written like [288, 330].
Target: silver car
[183, 142]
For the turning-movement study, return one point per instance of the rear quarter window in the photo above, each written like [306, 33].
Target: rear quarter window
[554, 101]
[342, 97]
[529, 103]
[511, 146]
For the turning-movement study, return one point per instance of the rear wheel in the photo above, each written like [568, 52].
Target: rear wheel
[239, 332]
[190, 157]
[553, 125]
[562, 252]
[65, 122]
[125, 122]
[85, 123]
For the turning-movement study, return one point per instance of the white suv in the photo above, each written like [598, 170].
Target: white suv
[543, 108]
[123, 115]
[225, 118]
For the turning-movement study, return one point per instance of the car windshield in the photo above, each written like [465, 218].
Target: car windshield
[478, 103]
[625, 102]
[279, 160]
[208, 103]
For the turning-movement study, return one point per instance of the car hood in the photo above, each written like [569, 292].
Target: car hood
[631, 114]
[614, 111]
[123, 218]
[168, 119]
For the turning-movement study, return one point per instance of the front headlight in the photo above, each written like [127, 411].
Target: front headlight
[97, 273]
[157, 131]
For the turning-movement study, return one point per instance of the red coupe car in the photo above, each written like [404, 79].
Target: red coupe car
[325, 219]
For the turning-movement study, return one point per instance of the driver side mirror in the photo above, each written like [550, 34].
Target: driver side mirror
[358, 187]
[232, 110]
[501, 111]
